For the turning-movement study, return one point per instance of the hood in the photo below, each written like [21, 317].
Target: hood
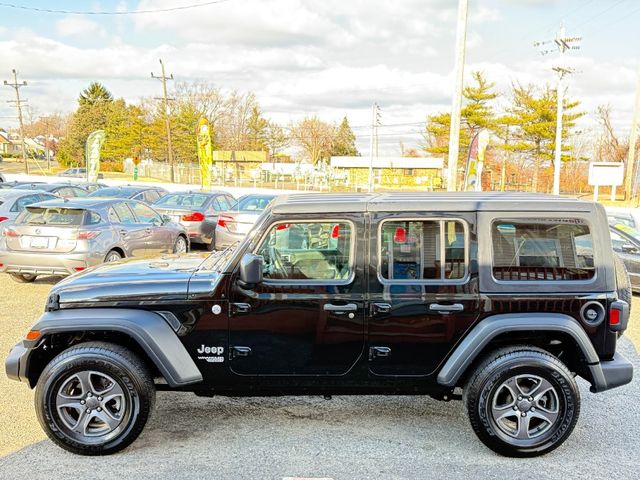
[130, 281]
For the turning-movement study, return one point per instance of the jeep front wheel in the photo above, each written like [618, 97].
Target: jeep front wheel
[522, 401]
[94, 398]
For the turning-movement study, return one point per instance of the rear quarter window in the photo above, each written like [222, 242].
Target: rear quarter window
[542, 250]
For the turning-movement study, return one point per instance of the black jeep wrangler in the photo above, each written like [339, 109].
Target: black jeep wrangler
[503, 297]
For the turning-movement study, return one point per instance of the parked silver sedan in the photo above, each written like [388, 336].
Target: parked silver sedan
[197, 211]
[235, 223]
[61, 237]
[13, 201]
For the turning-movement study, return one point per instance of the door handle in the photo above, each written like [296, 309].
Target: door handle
[454, 307]
[148, 230]
[123, 233]
[381, 308]
[241, 307]
[375, 352]
[339, 309]
[240, 352]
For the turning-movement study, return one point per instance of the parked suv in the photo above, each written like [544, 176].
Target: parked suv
[503, 297]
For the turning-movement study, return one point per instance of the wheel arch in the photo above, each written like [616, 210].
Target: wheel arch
[145, 332]
[551, 332]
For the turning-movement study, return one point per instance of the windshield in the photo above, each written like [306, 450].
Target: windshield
[630, 231]
[51, 216]
[112, 192]
[256, 203]
[189, 200]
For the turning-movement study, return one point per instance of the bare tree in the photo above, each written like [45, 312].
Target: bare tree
[314, 137]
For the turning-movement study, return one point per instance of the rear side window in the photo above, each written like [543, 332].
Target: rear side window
[51, 216]
[22, 202]
[542, 250]
[412, 251]
[151, 196]
[124, 214]
[221, 203]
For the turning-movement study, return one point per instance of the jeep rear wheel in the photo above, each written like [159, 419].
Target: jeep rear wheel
[94, 398]
[522, 402]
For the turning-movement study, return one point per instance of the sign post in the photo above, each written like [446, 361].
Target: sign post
[605, 174]
[136, 162]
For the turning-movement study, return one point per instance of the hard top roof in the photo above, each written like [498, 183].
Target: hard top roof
[80, 202]
[425, 201]
[19, 192]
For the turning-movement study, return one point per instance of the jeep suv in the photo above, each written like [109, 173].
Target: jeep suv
[500, 300]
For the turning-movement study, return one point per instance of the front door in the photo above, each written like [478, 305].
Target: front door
[307, 316]
[423, 291]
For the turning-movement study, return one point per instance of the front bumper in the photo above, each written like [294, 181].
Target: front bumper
[612, 373]
[35, 263]
[16, 364]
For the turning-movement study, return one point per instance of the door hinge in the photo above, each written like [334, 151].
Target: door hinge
[240, 308]
[377, 352]
[238, 352]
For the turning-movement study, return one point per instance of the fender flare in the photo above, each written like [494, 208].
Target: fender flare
[487, 329]
[152, 333]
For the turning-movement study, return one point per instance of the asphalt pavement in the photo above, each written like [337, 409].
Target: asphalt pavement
[359, 437]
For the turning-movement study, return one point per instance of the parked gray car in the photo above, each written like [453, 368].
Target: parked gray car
[148, 195]
[60, 189]
[197, 211]
[13, 201]
[236, 222]
[61, 237]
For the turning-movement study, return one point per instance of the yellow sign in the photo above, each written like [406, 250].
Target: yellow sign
[205, 156]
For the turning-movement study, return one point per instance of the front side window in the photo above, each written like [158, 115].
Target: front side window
[124, 214]
[308, 251]
[413, 250]
[145, 214]
[542, 250]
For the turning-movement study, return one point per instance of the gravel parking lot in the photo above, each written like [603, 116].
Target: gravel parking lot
[345, 438]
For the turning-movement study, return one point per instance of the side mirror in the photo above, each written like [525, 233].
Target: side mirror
[250, 270]
[166, 219]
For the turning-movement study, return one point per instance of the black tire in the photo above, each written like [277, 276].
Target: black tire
[623, 282]
[128, 406]
[488, 393]
[23, 277]
[113, 256]
[176, 246]
[211, 246]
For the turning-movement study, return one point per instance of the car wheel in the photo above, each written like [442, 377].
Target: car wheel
[23, 277]
[94, 398]
[113, 256]
[212, 245]
[522, 401]
[180, 245]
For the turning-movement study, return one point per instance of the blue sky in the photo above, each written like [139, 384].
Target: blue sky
[333, 58]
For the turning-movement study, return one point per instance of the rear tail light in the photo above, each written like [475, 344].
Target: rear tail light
[79, 269]
[2, 219]
[87, 235]
[193, 217]
[8, 232]
[284, 226]
[614, 317]
[223, 220]
[618, 316]
[400, 236]
[335, 231]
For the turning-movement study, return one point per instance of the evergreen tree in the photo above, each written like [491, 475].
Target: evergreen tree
[95, 93]
[344, 143]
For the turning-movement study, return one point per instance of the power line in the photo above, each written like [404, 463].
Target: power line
[88, 12]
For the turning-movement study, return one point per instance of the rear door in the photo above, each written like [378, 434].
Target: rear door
[159, 238]
[133, 235]
[307, 317]
[423, 290]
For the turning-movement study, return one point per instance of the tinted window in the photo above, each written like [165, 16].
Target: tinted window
[413, 250]
[183, 200]
[93, 218]
[51, 216]
[220, 203]
[145, 214]
[24, 201]
[150, 196]
[307, 251]
[79, 192]
[542, 250]
[251, 202]
[124, 213]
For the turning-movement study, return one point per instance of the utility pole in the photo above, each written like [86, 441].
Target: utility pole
[561, 44]
[16, 86]
[629, 181]
[373, 151]
[163, 77]
[456, 104]
[503, 170]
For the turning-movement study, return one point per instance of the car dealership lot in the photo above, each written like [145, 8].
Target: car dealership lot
[347, 437]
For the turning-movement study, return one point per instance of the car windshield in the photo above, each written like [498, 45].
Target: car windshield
[51, 216]
[256, 203]
[112, 192]
[630, 231]
[182, 200]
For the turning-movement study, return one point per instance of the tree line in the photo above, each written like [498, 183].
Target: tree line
[237, 121]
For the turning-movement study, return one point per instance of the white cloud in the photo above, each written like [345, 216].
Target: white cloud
[76, 25]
